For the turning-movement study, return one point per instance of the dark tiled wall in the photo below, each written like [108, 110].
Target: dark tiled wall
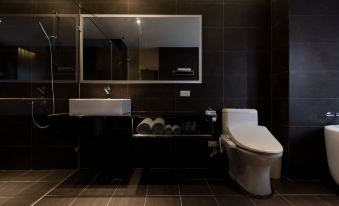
[236, 59]
[305, 39]
[280, 74]
[314, 62]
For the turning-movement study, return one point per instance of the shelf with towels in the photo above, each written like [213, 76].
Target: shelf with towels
[173, 126]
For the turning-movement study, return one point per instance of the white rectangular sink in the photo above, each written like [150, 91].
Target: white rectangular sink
[99, 107]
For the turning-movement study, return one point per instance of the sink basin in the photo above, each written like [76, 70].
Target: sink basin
[99, 107]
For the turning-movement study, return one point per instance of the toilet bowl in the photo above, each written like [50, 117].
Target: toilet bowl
[332, 151]
[251, 150]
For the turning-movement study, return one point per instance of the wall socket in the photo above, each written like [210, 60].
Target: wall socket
[185, 93]
[212, 143]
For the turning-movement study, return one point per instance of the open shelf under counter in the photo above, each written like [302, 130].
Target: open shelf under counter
[193, 125]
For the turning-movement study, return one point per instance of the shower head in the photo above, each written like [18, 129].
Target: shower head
[43, 30]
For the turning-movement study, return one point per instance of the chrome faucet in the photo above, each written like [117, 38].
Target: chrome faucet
[108, 92]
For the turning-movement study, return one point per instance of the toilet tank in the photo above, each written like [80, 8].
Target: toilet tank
[232, 117]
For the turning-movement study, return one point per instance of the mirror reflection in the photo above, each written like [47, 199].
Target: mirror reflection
[141, 48]
[25, 48]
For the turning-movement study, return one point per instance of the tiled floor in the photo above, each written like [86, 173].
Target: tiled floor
[149, 187]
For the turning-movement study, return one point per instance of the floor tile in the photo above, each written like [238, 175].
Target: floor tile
[54, 201]
[130, 190]
[7, 175]
[36, 189]
[162, 201]
[195, 187]
[102, 186]
[300, 187]
[11, 189]
[89, 201]
[32, 175]
[198, 201]
[163, 176]
[4, 200]
[191, 174]
[331, 199]
[75, 184]
[234, 201]
[28, 200]
[127, 201]
[275, 200]
[306, 200]
[57, 175]
[225, 187]
[163, 189]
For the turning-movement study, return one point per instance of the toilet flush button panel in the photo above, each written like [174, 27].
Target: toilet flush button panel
[185, 93]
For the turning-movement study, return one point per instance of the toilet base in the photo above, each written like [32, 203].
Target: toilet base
[251, 170]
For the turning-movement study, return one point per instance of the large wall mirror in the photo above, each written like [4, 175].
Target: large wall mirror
[140, 49]
[25, 48]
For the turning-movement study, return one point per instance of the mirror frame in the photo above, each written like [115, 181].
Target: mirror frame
[82, 16]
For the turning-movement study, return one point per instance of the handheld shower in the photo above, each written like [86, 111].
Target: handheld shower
[44, 31]
[51, 63]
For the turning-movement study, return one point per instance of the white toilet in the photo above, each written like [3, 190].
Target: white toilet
[251, 150]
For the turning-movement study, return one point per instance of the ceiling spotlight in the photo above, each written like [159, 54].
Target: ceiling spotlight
[0, 20]
[138, 21]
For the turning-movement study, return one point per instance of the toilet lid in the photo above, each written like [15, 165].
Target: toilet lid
[255, 138]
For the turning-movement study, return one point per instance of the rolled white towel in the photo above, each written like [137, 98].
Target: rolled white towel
[176, 129]
[168, 129]
[145, 126]
[158, 126]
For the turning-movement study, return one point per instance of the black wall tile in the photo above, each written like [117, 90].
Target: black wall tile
[311, 56]
[212, 14]
[314, 7]
[15, 157]
[311, 112]
[314, 28]
[314, 85]
[306, 152]
[152, 6]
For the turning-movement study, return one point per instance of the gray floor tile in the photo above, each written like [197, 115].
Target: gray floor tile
[331, 199]
[163, 190]
[234, 201]
[3, 200]
[102, 186]
[162, 201]
[275, 200]
[130, 190]
[54, 201]
[74, 185]
[300, 187]
[11, 189]
[306, 200]
[198, 201]
[57, 175]
[195, 187]
[89, 201]
[8, 175]
[225, 187]
[127, 201]
[191, 174]
[32, 175]
[36, 189]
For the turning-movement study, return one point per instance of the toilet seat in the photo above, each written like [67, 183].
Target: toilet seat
[255, 138]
